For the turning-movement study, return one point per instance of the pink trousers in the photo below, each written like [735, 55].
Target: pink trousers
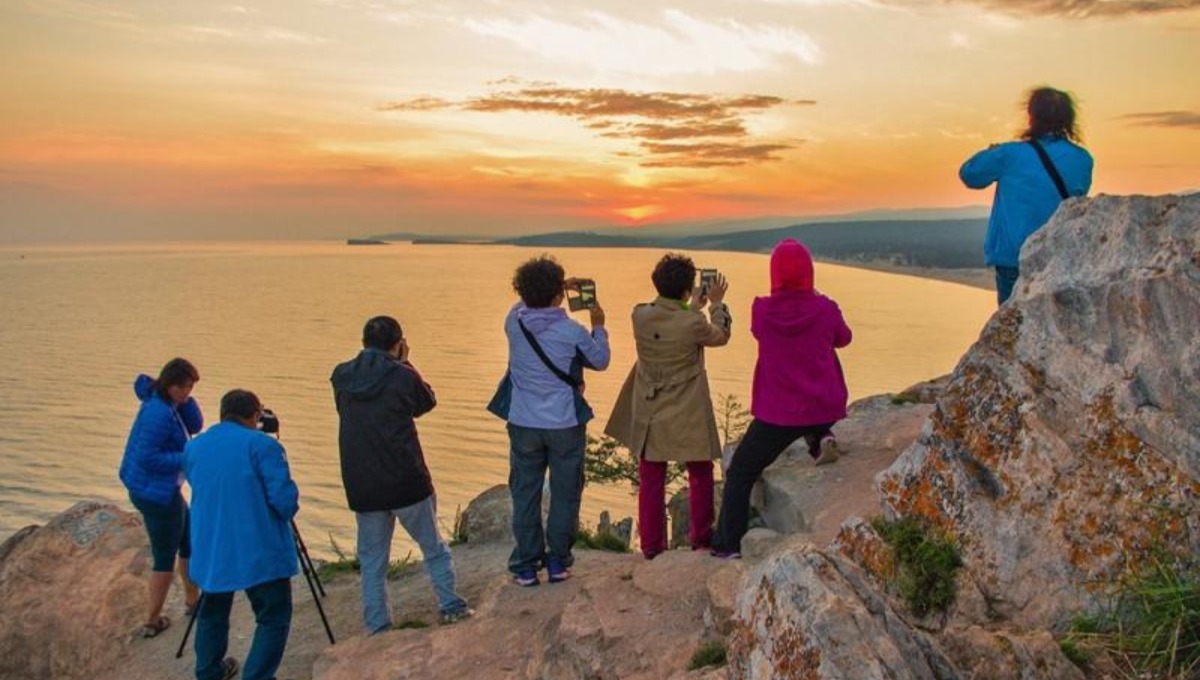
[652, 512]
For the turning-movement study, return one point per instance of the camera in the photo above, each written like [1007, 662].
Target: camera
[268, 422]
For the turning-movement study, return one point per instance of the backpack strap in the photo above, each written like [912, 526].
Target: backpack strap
[1049, 165]
[574, 384]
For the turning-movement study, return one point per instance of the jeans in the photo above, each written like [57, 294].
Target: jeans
[272, 604]
[1006, 280]
[531, 452]
[167, 527]
[652, 517]
[760, 446]
[374, 553]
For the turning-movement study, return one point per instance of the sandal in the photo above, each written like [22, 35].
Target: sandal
[153, 629]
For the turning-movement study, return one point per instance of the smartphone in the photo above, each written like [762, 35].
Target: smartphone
[586, 298]
[707, 276]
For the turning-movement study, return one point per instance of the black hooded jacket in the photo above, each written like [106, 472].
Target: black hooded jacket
[377, 399]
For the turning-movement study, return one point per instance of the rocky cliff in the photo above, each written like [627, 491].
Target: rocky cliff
[1064, 451]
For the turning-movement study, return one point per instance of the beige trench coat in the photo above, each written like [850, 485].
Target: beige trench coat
[664, 409]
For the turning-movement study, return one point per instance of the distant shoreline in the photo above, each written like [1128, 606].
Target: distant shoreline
[980, 277]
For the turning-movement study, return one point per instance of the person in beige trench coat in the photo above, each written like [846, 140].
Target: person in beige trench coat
[664, 410]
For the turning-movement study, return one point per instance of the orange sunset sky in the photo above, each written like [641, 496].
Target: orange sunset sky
[332, 118]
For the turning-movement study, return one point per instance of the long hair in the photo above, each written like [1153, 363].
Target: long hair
[1051, 112]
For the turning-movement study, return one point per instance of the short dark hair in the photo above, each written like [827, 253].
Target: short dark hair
[175, 373]
[674, 276]
[539, 281]
[1051, 112]
[382, 332]
[240, 404]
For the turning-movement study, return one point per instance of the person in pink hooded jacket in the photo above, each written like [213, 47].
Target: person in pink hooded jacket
[799, 389]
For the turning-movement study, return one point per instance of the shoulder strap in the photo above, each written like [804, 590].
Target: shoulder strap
[545, 359]
[1058, 180]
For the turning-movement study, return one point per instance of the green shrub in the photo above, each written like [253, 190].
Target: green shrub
[410, 623]
[585, 539]
[708, 654]
[342, 565]
[925, 563]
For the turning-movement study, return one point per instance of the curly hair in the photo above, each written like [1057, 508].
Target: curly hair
[674, 276]
[1051, 112]
[539, 281]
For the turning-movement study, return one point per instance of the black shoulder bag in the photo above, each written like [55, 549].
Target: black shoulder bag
[1049, 165]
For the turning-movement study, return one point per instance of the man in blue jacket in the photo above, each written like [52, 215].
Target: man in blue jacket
[1027, 189]
[243, 502]
[378, 395]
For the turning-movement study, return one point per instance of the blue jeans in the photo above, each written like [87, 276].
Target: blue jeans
[532, 451]
[374, 552]
[272, 604]
[167, 527]
[1006, 280]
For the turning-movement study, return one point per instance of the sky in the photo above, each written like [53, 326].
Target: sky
[148, 120]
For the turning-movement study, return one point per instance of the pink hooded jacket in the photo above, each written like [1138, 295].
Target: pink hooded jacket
[798, 379]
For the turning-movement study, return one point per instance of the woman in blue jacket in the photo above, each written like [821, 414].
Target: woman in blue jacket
[1032, 175]
[152, 471]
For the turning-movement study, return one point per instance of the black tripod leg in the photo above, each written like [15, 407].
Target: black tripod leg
[191, 622]
[305, 558]
[310, 574]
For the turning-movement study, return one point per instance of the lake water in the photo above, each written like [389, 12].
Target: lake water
[77, 323]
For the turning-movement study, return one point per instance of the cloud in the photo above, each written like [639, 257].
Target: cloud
[656, 120]
[1168, 119]
[679, 44]
[1075, 9]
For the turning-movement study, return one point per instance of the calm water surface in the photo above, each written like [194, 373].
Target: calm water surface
[77, 323]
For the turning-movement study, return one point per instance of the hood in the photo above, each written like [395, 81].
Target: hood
[364, 376]
[789, 312]
[540, 318]
[143, 387]
[791, 267]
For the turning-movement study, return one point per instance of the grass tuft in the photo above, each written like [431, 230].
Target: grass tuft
[925, 563]
[585, 539]
[710, 653]
[410, 624]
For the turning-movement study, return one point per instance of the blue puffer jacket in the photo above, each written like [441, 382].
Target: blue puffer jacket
[1025, 194]
[153, 463]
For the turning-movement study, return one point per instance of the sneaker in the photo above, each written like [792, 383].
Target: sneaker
[829, 451]
[556, 572]
[229, 668]
[526, 579]
[452, 617]
[725, 554]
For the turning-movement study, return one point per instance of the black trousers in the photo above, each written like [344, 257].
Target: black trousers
[758, 449]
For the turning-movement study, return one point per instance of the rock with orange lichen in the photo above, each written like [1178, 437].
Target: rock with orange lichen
[1067, 443]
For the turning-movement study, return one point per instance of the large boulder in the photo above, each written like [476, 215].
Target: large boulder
[1067, 443]
[1064, 450]
[488, 516]
[73, 593]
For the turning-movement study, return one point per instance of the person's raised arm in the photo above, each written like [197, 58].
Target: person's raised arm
[983, 168]
[270, 463]
[716, 331]
[189, 413]
[594, 346]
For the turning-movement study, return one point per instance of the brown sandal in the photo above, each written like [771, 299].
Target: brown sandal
[153, 629]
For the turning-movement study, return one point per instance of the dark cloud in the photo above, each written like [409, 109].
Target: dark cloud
[652, 118]
[1081, 9]
[1169, 119]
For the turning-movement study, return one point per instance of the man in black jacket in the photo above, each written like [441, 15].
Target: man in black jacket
[378, 396]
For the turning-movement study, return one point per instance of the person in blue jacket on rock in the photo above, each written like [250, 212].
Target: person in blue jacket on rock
[243, 502]
[1032, 176]
[151, 470]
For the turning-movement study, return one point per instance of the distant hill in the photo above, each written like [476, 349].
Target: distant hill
[948, 244]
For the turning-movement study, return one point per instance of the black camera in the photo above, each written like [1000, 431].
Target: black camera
[268, 422]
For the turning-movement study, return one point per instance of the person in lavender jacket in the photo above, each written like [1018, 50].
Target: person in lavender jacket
[799, 389]
[547, 418]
